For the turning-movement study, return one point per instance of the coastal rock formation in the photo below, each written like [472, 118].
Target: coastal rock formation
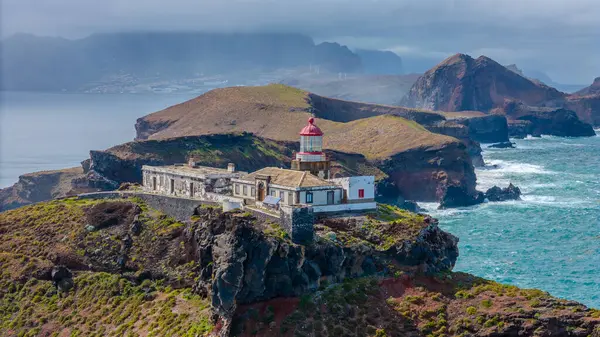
[587, 107]
[547, 121]
[462, 83]
[224, 274]
[457, 196]
[45, 185]
[232, 249]
[487, 128]
[503, 194]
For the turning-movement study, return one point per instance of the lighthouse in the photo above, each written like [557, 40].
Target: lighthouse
[311, 157]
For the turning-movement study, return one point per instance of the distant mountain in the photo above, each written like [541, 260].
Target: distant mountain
[379, 62]
[42, 63]
[462, 83]
[545, 79]
[379, 89]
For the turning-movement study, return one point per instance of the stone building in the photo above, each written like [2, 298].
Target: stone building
[305, 185]
[190, 181]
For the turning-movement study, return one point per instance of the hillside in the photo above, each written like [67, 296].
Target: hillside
[82, 267]
[462, 83]
[278, 112]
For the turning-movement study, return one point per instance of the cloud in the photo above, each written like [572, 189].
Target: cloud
[562, 37]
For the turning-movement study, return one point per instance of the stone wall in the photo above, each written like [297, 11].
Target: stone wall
[298, 222]
[179, 208]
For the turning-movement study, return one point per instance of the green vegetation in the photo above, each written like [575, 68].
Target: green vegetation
[100, 304]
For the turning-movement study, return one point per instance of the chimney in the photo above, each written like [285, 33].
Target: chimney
[191, 162]
[231, 167]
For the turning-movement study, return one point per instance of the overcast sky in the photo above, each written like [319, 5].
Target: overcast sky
[559, 37]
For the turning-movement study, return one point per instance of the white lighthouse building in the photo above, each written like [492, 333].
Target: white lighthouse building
[311, 157]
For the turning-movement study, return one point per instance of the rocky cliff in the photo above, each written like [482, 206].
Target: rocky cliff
[45, 185]
[548, 121]
[461, 83]
[86, 267]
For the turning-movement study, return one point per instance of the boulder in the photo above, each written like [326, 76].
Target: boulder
[458, 196]
[496, 193]
[62, 278]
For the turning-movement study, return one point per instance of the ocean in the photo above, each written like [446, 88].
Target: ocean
[45, 131]
[549, 240]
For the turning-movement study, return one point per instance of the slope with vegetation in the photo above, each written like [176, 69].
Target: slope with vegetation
[134, 271]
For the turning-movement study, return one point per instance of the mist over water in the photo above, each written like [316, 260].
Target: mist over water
[551, 239]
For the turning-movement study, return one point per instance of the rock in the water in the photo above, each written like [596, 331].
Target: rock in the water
[458, 196]
[503, 145]
[62, 278]
[496, 193]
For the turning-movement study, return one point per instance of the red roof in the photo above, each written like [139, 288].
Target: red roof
[311, 129]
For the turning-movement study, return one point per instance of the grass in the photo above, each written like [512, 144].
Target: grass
[278, 112]
[102, 303]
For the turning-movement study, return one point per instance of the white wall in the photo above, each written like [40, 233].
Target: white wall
[320, 197]
[363, 206]
[353, 184]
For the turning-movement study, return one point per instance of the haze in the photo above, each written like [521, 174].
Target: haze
[560, 38]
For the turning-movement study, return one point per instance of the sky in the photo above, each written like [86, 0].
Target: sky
[558, 37]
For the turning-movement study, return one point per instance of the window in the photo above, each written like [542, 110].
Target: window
[330, 197]
[191, 189]
[290, 198]
[252, 191]
[237, 189]
[172, 185]
[361, 193]
[245, 189]
[273, 193]
[309, 197]
[282, 196]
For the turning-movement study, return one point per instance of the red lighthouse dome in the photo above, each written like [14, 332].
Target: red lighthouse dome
[311, 129]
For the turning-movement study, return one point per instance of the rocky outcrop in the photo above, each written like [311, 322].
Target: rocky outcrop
[519, 128]
[424, 174]
[461, 132]
[496, 193]
[461, 83]
[457, 196]
[45, 185]
[527, 120]
[241, 264]
[486, 129]
[586, 107]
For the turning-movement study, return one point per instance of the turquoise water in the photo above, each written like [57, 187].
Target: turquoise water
[551, 239]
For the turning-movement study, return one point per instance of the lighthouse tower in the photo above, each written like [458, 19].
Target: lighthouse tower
[311, 156]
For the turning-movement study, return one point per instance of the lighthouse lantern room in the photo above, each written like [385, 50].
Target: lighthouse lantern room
[311, 156]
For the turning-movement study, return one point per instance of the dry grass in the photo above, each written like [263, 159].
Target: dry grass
[279, 112]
